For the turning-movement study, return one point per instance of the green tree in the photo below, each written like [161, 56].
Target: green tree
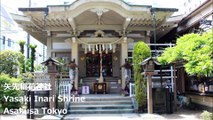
[194, 50]
[141, 52]
[28, 65]
[10, 92]
[10, 62]
[21, 44]
[33, 51]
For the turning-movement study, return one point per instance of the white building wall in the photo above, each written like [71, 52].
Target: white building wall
[11, 34]
[190, 5]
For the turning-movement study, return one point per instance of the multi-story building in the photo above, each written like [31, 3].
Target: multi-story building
[191, 5]
[11, 34]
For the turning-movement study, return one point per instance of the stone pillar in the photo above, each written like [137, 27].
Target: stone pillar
[49, 46]
[175, 88]
[149, 92]
[53, 90]
[75, 55]
[124, 55]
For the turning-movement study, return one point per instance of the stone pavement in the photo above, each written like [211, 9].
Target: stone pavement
[181, 115]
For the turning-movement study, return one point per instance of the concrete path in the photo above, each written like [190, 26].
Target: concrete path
[181, 115]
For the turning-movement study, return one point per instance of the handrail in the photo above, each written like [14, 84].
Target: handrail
[132, 89]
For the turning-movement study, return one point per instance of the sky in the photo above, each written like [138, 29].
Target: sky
[43, 3]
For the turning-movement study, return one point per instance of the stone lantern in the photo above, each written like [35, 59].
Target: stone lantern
[52, 65]
[148, 65]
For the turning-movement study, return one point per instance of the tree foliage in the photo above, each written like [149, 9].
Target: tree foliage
[21, 44]
[10, 62]
[33, 51]
[195, 50]
[4, 92]
[141, 52]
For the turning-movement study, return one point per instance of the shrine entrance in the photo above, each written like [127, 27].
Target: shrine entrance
[93, 65]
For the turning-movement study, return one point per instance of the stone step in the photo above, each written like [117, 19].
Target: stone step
[101, 111]
[104, 107]
[102, 102]
[131, 116]
[105, 98]
[101, 106]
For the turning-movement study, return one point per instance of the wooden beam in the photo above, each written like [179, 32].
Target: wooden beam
[59, 29]
[72, 24]
[20, 18]
[126, 23]
[99, 27]
[140, 28]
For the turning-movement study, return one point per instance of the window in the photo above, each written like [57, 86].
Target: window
[9, 42]
[185, 4]
[3, 40]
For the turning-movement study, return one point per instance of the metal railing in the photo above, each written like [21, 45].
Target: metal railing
[65, 90]
[132, 89]
[63, 84]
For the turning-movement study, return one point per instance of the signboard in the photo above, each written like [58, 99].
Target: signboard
[85, 89]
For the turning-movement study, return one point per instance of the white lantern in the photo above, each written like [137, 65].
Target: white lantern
[93, 49]
[96, 46]
[103, 47]
[114, 48]
[110, 46]
[106, 49]
[89, 46]
[85, 49]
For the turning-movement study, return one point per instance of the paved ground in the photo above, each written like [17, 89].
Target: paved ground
[181, 115]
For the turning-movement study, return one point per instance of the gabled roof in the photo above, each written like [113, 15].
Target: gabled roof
[148, 59]
[83, 15]
[54, 61]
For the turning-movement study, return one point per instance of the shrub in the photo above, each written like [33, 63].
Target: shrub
[8, 92]
[141, 52]
[10, 62]
[206, 115]
[195, 50]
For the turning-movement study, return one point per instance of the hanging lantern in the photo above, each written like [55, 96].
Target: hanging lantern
[96, 46]
[93, 49]
[99, 48]
[103, 47]
[114, 48]
[106, 49]
[89, 46]
[85, 49]
[110, 46]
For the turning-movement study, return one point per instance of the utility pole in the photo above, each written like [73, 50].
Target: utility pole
[1, 40]
[28, 38]
[28, 56]
[153, 10]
